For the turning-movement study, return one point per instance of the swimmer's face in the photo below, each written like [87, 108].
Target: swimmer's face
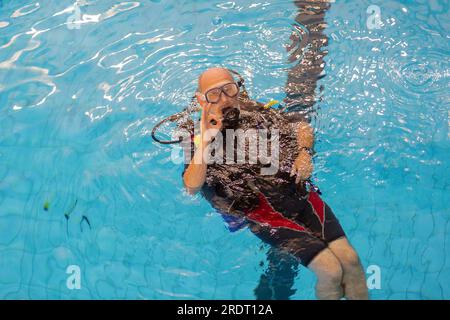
[209, 85]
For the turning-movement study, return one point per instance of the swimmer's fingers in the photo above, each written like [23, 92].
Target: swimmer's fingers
[294, 170]
[207, 107]
[211, 129]
[206, 118]
[298, 178]
[299, 173]
[302, 167]
[205, 112]
[210, 119]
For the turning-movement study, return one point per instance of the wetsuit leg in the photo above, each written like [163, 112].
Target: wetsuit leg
[301, 227]
[303, 245]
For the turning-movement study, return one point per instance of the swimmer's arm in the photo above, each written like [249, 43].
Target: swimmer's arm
[305, 135]
[303, 166]
[195, 175]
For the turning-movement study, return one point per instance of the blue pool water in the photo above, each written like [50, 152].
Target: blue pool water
[78, 102]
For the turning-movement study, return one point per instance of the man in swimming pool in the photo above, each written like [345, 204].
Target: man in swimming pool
[279, 209]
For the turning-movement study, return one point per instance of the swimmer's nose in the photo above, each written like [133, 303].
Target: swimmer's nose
[224, 99]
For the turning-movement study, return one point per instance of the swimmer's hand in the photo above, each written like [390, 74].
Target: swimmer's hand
[210, 124]
[302, 167]
[195, 175]
[305, 135]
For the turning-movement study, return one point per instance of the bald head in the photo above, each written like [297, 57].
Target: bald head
[214, 77]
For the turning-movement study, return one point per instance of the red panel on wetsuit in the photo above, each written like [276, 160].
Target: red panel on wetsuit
[318, 205]
[265, 213]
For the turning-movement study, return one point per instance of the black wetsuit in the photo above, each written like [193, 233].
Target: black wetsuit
[277, 210]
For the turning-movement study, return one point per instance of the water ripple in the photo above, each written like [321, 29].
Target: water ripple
[25, 10]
